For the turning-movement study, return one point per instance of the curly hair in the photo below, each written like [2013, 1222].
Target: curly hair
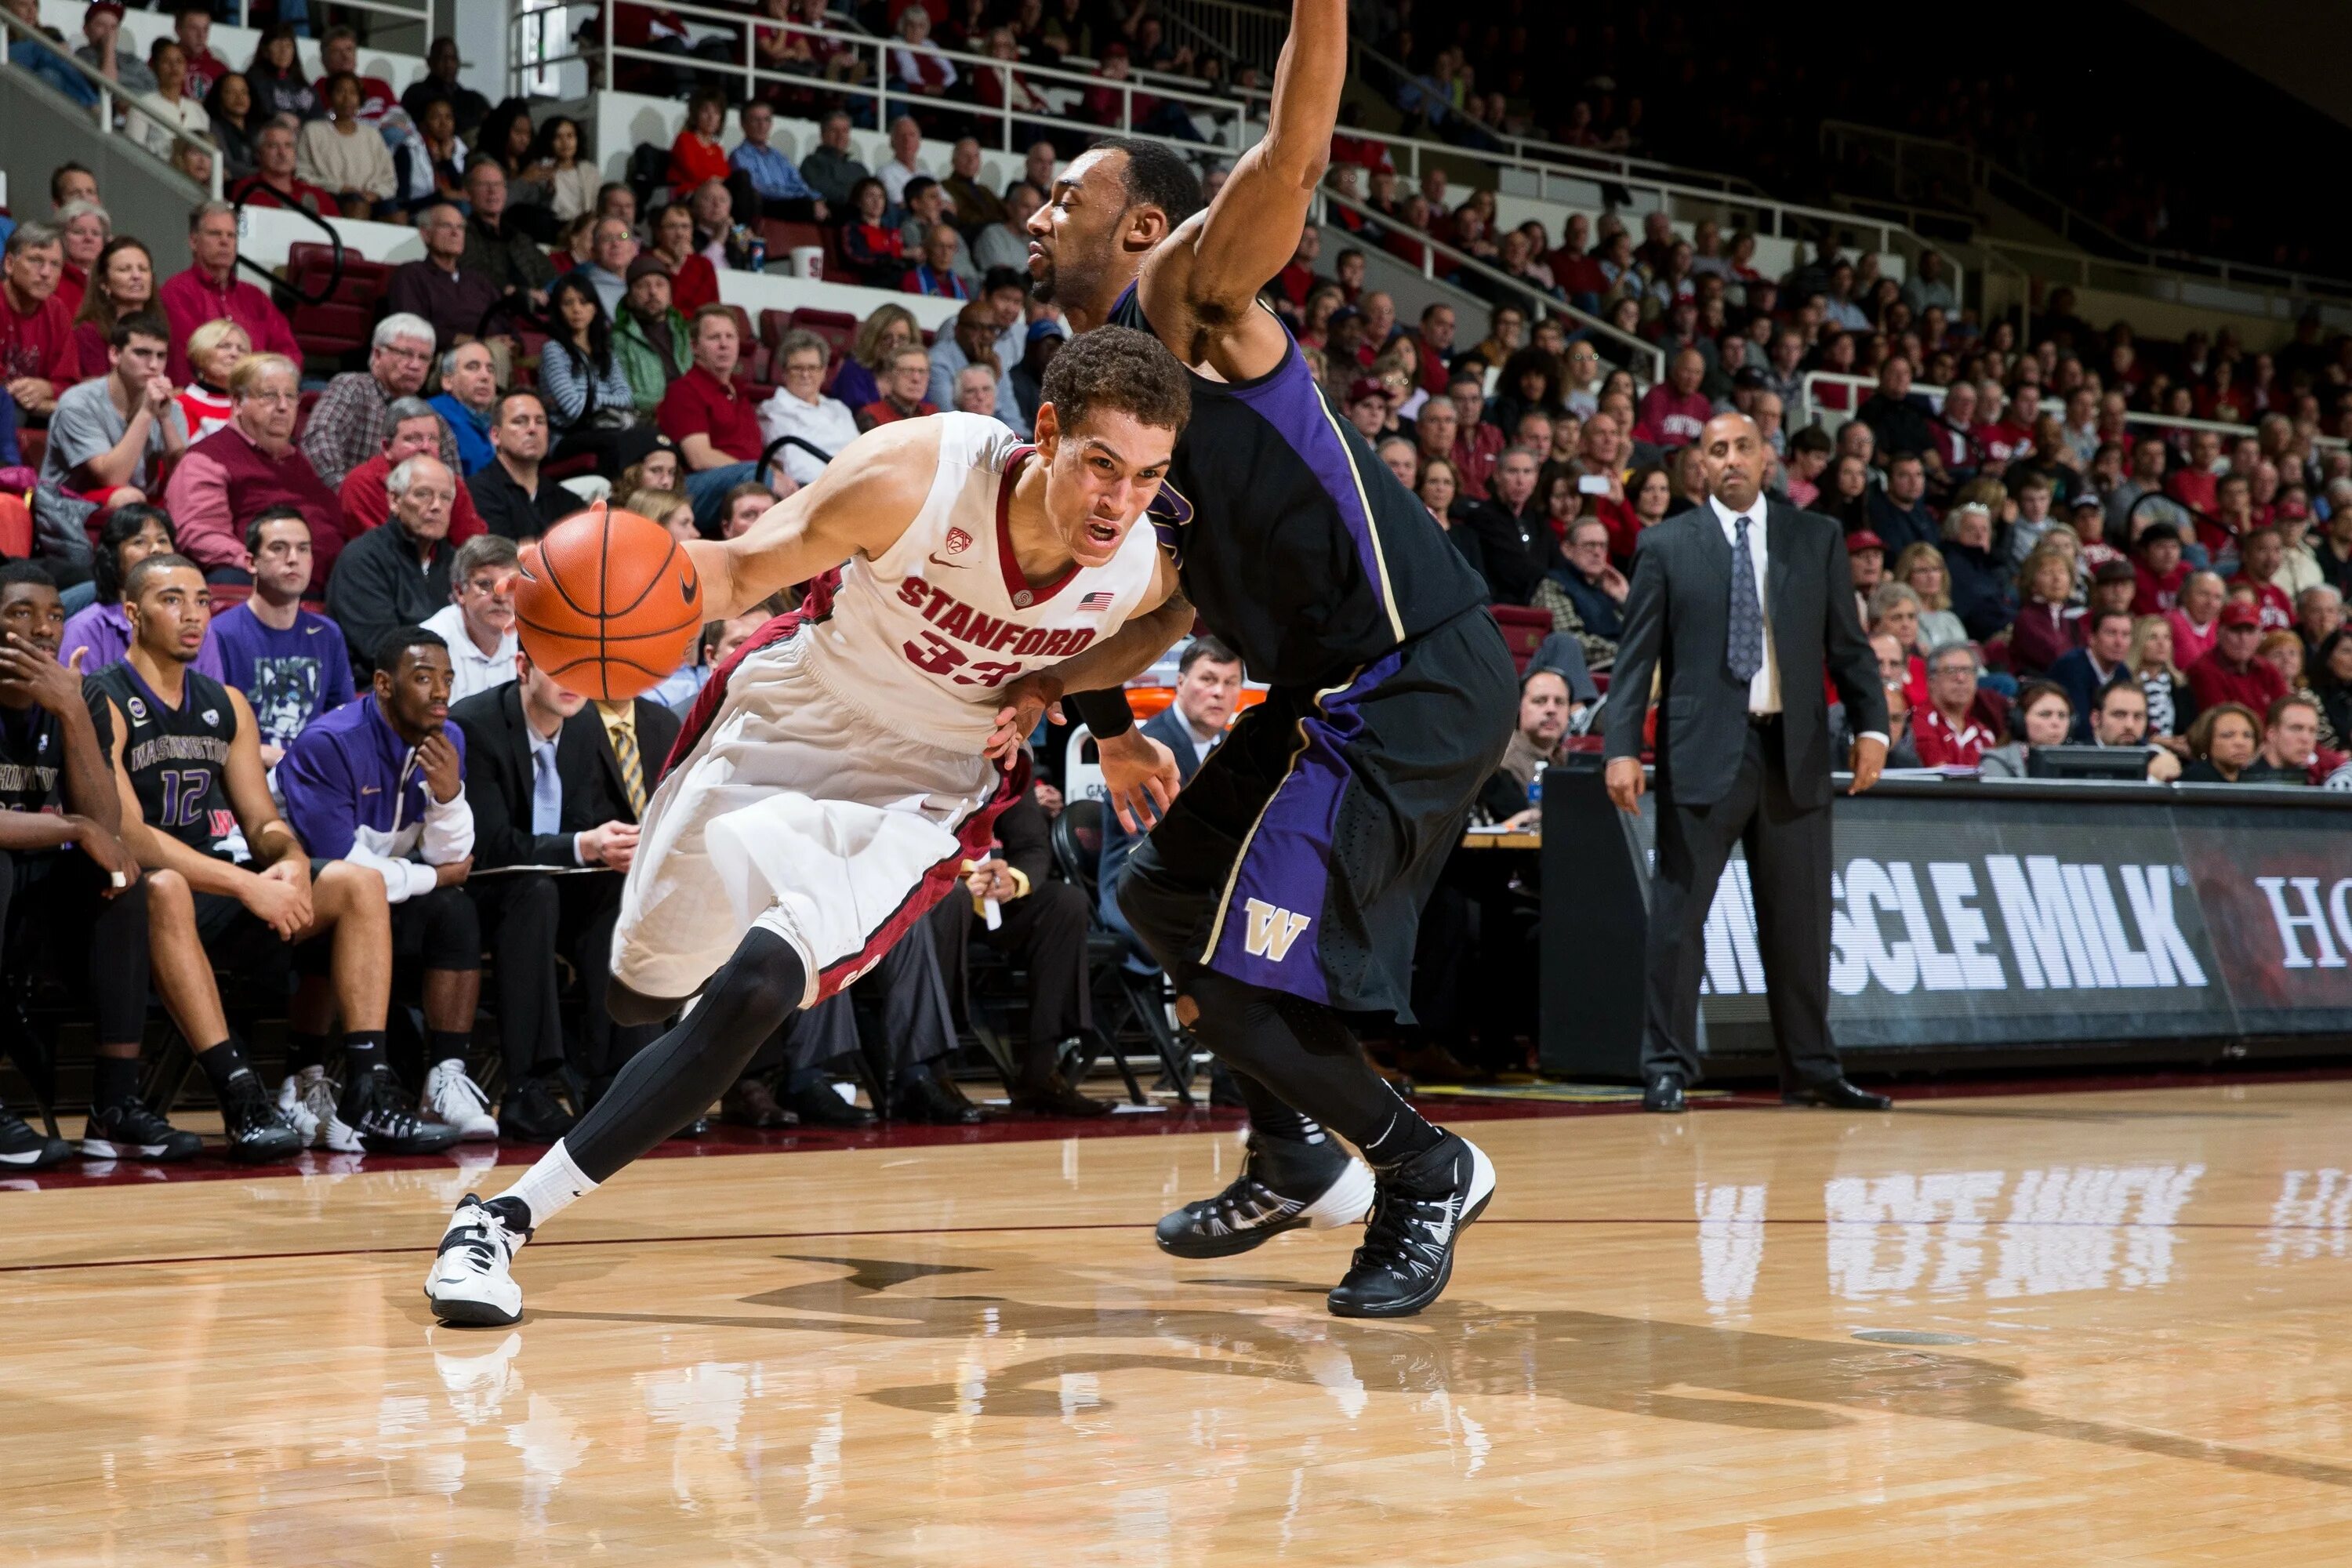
[1120, 369]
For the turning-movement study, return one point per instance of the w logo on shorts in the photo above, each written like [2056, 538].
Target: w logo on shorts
[1271, 931]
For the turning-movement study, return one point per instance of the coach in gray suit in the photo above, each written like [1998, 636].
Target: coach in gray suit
[1739, 605]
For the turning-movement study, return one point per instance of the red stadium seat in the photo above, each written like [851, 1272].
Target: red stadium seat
[1524, 630]
[343, 323]
[773, 325]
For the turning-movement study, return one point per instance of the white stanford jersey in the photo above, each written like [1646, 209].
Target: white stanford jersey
[921, 634]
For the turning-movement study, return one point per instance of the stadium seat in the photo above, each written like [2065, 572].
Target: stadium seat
[341, 323]
[1524, 630]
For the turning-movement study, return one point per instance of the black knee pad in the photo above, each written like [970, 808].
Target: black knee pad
[765, 978]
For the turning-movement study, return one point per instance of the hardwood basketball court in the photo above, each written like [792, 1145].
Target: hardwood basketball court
[969, 1352]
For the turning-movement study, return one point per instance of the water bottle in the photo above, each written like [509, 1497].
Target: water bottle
[1535, 792]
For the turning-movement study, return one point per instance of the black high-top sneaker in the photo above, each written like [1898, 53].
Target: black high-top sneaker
[1285, 1185]
[1419, 1213]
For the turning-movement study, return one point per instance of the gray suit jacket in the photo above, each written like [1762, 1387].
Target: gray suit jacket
[1675, 624]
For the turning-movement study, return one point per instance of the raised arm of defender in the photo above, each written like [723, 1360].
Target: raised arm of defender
[866, 497]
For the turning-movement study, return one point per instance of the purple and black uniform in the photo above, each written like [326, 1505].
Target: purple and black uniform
[1299, 856]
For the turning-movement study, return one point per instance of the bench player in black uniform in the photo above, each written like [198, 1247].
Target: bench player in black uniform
[1282, 889]
[186, 756]
[70, 897]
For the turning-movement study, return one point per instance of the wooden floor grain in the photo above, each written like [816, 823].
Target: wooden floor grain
[975, 1356]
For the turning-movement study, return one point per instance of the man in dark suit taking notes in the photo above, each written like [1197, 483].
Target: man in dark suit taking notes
[1736, 606]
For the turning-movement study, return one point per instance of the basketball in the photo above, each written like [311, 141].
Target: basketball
[607, 604]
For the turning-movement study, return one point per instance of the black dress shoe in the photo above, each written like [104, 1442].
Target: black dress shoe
[1837, 1095]
[927, 1097]
[819, 1105]
[1665, 1093]
[1054, 1096]
[531, 1114]
[751, 1103]
[698, 1128]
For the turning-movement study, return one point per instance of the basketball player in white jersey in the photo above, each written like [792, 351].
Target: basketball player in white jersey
[844, 763]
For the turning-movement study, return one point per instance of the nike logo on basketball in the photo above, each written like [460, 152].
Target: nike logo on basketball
[1271, 931]
[959, 565]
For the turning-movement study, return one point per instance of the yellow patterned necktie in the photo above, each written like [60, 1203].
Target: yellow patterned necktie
[619, 728]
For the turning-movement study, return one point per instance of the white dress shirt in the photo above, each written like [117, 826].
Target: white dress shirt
[470, 669]
[1764, 686]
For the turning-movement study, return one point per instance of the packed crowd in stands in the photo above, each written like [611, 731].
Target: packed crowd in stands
[294, 578]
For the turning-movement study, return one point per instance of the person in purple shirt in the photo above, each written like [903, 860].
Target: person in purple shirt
[291, 665]
[131, 535]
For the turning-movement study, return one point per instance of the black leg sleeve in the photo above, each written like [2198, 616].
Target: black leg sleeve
[677, 1077]
[1302, 1053]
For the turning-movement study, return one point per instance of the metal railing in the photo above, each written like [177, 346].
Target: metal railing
[1234, 129]
[111, 99]
[1638, 351]
[1908, 161]
[1249, 34]
[421, 15]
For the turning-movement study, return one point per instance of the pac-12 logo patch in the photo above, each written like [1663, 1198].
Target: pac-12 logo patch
[137, 711]
[212, 715]
[958, 542]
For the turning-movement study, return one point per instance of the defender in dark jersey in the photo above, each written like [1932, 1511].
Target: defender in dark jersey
[1281, 890]
[186, 756]
[70, 899]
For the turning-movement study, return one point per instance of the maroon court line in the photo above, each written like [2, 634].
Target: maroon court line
[1106, 1224]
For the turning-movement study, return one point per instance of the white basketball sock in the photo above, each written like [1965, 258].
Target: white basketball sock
[550, 1186]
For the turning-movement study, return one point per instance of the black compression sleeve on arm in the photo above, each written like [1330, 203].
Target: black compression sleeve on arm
[1103, 713]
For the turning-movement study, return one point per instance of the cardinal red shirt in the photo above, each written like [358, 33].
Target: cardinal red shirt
[2004, 442]
[2157, 595]
[2193, 488]
[37, 344]
[699, 404]
[2277, 609]
[1941, 745]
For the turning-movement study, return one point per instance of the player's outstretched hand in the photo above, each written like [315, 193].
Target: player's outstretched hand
[1025, 702]
[1139, 775]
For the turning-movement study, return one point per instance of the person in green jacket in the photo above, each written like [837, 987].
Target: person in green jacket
[650, 340]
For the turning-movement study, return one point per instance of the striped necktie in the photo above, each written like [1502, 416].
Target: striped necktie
[620, 729]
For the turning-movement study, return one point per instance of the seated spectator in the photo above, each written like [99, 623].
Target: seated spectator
[174, 110]
[976, 207]
[935, 275]
[975, 391]
[1674, 412]
[650, 337]
[902, 391]
[1866, 556]
[1899, 513]
[339, 55]
[800, 408]
[381, 784]
[291, 665]
[716, 430]
[439, 83]
[916, 65]
[1981, 591]
[495, 248]
[1005, 243]
[398, 575]
[2044, 718]
[106, 439]
[353, 415]
[1512, 537]
[871, 248]
[2223, 744]
[2319, 615]
[274, 181]
[2104, 659]
[344, 154]
[719, 239]
[831, 172]
[2291, 753]
[1045, 336]
[588, 401]
[105, 52]
[478, 623]
[2283, 651]
[70, 903]
[1899, 423]
[975, 342]
[454, 302]
[511, 491]
[880, 338]
[2233, 671]
[1594, 587]
[120, 283]
[693, 277]
[697, 154]
[2197, 621]
[1948, 732]
[2331, 677]
[1208, 691]
[469, 391]
[558, 166]
[208, 910]
[545, 786]
[275, 78]
[364, 503]
[2120, 722]
[763, 181]
[926, 209]
[35, 328]
[614, 251]
[99, 633]
[2159, 569]
[210, 291]
[83, 228]
[1920, 568]
[2047, 626]
[2262, 556]
[224, 481]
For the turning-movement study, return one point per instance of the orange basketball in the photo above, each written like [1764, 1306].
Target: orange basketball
[607, 604]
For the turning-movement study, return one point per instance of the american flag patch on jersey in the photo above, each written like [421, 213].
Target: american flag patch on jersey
[1097, 600]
